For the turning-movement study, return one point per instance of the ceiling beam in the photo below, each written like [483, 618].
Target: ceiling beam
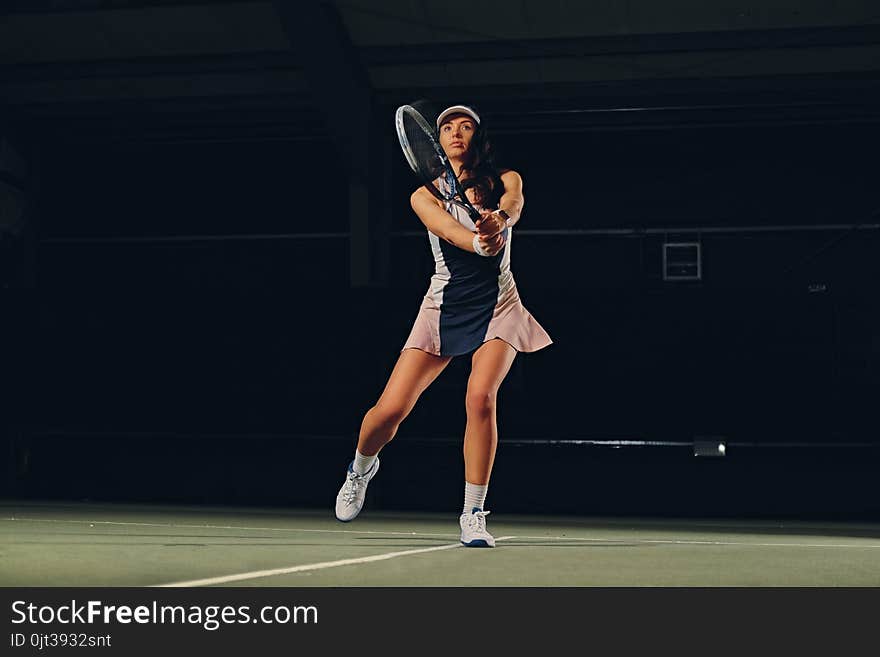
[624, 44]
[37, 7]
[151, 66]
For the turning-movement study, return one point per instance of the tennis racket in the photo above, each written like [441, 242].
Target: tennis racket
[428, 160]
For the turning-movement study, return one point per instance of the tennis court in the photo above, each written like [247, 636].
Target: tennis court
[89, 544]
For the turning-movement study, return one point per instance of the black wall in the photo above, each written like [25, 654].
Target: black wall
[237, 370]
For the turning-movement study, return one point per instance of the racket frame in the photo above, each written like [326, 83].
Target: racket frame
[414, 165]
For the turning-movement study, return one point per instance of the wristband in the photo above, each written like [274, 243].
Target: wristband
[477, 248]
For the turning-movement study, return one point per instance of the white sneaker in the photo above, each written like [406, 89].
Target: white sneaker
[473, 529]
[350, 499]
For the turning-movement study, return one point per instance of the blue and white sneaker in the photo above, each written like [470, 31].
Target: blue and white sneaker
[350, 499]
[473, 529]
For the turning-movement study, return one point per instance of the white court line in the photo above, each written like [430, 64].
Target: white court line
[237, 527]
[623, 539]
[672, 541]
[225, 579]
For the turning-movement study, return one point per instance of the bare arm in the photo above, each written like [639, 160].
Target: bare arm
[512, 202]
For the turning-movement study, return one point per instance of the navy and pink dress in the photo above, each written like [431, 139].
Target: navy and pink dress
[472, 299]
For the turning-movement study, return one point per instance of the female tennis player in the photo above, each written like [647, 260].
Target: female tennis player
[472, 307]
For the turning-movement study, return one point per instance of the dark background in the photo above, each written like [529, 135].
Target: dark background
[187, 315]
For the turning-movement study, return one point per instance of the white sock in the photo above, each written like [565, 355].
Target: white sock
[362, 464]
[474, 497]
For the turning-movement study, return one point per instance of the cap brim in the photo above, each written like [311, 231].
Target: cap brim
[457, 109]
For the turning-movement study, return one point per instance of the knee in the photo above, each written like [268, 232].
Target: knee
[480, 402]
[390, 415]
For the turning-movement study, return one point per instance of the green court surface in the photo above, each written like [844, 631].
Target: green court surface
[86, 544]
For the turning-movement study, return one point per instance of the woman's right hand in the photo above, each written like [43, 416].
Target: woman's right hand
[490, 223]
[493, 245]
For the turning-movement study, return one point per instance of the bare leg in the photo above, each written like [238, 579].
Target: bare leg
[490, 364]
[414, 372]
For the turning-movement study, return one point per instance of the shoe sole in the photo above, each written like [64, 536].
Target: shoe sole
[478, 543]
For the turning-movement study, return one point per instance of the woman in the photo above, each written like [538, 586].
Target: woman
[472, 306]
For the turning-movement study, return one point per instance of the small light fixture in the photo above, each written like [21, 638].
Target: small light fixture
[713, 447]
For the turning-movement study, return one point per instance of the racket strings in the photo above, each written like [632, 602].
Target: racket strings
[428, 163]
[427, 160]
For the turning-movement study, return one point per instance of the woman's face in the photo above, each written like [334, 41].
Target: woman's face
[456, 134]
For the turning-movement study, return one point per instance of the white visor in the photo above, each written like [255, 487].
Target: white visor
[457, 109]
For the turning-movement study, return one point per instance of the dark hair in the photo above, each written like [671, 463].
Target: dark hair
[484, 176]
